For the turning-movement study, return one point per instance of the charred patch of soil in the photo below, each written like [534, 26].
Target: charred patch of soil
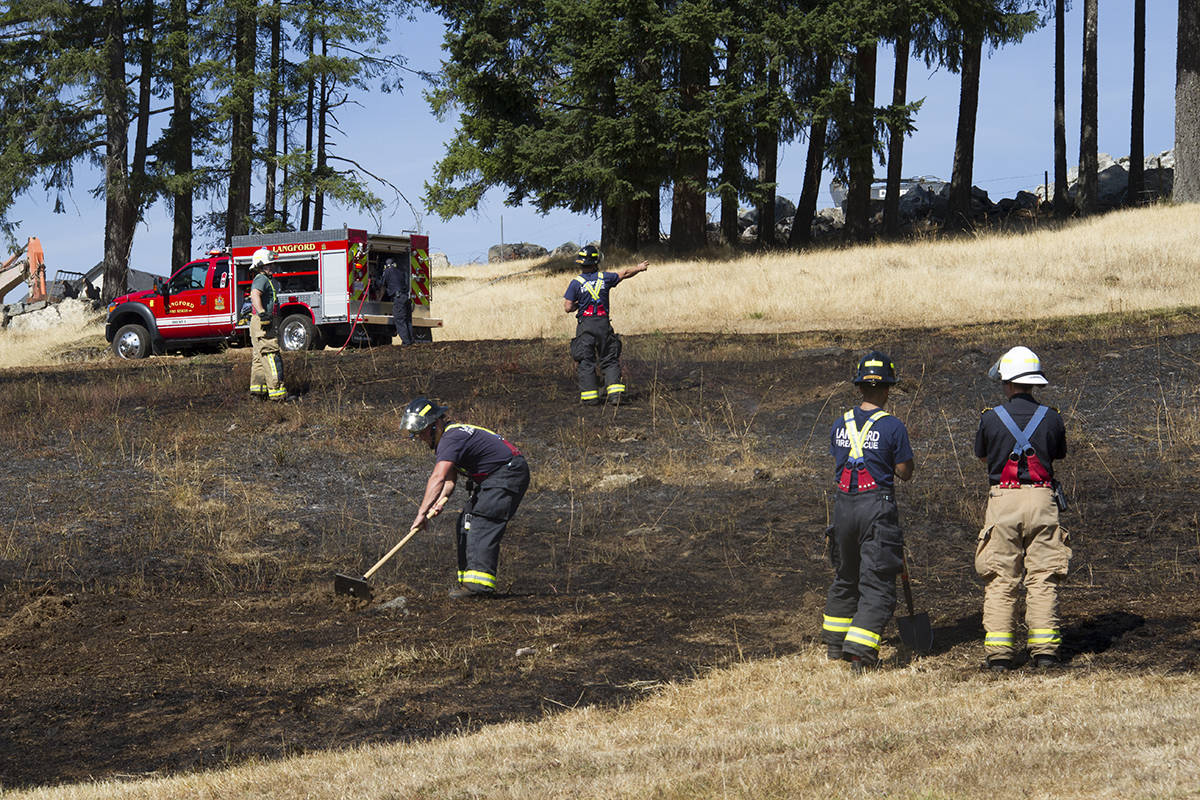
[168, 545]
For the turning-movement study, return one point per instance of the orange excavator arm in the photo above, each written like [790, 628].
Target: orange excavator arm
[37, 270]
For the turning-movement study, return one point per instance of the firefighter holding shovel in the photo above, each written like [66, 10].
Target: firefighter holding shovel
[1021, 540]
[870, 449]
[497, 477]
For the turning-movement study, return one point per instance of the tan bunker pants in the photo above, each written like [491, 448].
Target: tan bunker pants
[266, 367]
[1021, 541]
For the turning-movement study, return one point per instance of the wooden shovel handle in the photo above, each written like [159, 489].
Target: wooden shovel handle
[904, 581]
[412, 532]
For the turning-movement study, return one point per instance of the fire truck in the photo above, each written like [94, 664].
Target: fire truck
[330, 284]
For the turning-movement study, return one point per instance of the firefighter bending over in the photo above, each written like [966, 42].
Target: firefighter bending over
[594, 342]
[266, 366]
[497, 477]
[870, 449]
[1021, 540]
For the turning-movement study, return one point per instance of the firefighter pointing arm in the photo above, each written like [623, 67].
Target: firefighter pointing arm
[595, 343]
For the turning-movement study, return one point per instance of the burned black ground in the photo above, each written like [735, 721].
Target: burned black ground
[168, 545]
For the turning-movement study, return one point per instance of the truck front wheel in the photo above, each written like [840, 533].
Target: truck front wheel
[132, 341]
[297, 332]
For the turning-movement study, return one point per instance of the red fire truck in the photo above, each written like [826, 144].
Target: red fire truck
[330, 288]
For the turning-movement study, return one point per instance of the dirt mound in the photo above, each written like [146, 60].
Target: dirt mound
[36, 614]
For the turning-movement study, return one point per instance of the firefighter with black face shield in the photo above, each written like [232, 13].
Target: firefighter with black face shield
[594, 342]
[497, 477]
[870, 448]
[266, 366]
[1021, 541]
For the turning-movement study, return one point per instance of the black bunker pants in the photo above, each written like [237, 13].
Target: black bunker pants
[483, 520]
[595, 343]
[866, 547]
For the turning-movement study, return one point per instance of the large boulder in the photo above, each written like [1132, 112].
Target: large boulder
[439, 261]
[566, 250]
[512, 252]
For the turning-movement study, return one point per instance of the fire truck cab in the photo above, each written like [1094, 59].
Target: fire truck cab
[330, 291]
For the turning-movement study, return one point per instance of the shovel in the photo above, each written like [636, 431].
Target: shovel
[358, 587]
[915, 630]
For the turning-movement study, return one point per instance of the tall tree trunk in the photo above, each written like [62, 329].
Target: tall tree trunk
[731, 148]
[691, 159]
[862, 175]
[895, 161]
[1062, 206]
[119, 212]
[284, 218]
[806, 206]
[767, 150]
[649, 224]
[1085, 198]
[241, 147]
[619, 226]
[273, 101]
[145, 76]
[1134, 195]
[309, 113]
[958, 215]
[324, 89]
[182, 133]
[1187, 104]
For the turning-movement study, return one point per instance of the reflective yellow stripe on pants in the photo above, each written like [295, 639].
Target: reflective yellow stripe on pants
[478, 578]
[837, 625]
[863, 637]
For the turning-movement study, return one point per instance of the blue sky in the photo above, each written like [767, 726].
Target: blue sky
[398, 137]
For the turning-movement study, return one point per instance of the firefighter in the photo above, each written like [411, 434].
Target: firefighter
[396, 286]
[497, 476]
[870, 448]
[266, 366]
[594, 341]
[1021, 540]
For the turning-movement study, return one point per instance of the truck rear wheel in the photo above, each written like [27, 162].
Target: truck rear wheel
[421, 333]
[297, 332]
[132, 341]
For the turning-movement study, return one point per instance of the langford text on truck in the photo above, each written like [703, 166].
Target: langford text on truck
[328, 280]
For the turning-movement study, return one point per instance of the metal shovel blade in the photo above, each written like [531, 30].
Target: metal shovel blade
[351, 585]
[916, 632]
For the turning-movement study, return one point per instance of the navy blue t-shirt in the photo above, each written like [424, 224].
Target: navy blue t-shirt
[886, 446]
[475, 452]
[590, 291]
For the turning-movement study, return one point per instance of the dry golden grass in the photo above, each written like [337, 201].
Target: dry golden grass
[1125, 261]
[797, 727]
[35, 339]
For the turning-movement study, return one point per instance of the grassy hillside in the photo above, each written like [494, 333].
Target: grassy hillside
[1126, 261]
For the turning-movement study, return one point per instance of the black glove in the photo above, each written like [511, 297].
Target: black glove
[264, 317]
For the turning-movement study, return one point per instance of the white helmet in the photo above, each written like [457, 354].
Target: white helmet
[262, 256]
[1019, 365]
